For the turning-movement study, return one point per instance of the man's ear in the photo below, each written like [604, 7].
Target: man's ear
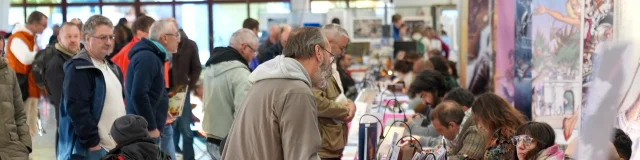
[452, 124]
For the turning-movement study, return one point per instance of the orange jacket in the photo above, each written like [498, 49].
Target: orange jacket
[122, 60]
[20, 68]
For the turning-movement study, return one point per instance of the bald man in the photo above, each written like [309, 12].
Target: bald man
[274, 36]
[276, 49]
[226, 80]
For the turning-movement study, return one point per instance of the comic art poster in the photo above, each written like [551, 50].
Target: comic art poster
[505, 44]
[522, 57]
[480, 53]
[557, 76]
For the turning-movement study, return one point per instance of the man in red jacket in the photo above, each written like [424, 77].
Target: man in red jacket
[141, 27]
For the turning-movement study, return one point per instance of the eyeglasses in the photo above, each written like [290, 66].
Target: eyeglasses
[332, 56]
[523, 138]
[177, 35]
[105, 37]
[255, 52]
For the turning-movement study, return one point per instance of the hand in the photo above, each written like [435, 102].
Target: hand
[407, 140]
[155, 133]
[170, 119]
[540, 10]
[352, 110]
[95, 148]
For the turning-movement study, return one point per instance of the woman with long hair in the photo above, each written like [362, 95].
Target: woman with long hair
[498, 120]
[536, 141]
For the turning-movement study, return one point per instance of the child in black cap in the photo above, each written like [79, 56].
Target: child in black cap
[133, 141]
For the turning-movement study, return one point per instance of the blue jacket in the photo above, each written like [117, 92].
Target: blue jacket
[145, 86]
[83, 95]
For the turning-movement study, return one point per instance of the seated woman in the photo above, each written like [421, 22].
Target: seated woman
[536, 141]
[498, 120]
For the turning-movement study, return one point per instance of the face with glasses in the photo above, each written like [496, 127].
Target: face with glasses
[524, 144]
[319, 78]
[249, 51]
[339, 45]
[100, 43]
[171, 39]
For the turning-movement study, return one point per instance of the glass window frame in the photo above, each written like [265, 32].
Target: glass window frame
[66, 4]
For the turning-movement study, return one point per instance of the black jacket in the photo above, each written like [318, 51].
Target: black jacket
[223, 54]
[137, 149]
[54, 75]
[348, 84]
[185, 67]
[270, 53]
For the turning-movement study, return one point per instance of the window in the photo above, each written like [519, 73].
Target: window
[155, 0]
[54, 15]
[157, 11]
[227, 18]
[16, 1]
[117, 1]
[117, 12]
[325, 6]
[42, 1]
[17, 15]
[194, 28]
[82, 12]
[82, 1]
[258, 9]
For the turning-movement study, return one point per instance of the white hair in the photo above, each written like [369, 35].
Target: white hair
[160, 28]
[243, 36]
[333, 31]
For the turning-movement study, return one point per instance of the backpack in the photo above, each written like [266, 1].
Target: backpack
[39, 64]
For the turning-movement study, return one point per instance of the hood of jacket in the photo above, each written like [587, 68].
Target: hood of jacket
[552, 153]
[147, 45]
[224, 54]
[21, 28]
[280, 67]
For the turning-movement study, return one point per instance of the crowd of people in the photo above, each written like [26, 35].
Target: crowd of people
[287, 98]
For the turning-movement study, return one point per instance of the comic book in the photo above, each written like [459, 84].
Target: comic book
[177, 98]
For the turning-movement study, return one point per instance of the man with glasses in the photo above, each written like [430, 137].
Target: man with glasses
[334, 109]
[21, 51]
[464, 138]
[278, 120]
[145, 87]
[226, 81]
[92, 96]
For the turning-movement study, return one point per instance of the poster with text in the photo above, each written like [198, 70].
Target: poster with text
[557, 76]
[522, 58]
[505, 44]
[480, 49]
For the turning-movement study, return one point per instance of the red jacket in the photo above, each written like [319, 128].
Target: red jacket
[122, 60]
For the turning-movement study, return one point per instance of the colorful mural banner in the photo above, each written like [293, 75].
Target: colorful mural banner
[479, 67]
[505, 38]
[556, 74]
[522, 57]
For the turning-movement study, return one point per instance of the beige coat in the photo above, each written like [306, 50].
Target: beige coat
[278, 119]
[330, 115]
[15, 141]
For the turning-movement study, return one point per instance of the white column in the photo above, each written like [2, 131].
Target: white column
[4, 10]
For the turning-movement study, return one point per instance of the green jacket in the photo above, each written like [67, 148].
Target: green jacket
[330, 115]
[225, 88]
[16, 144]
